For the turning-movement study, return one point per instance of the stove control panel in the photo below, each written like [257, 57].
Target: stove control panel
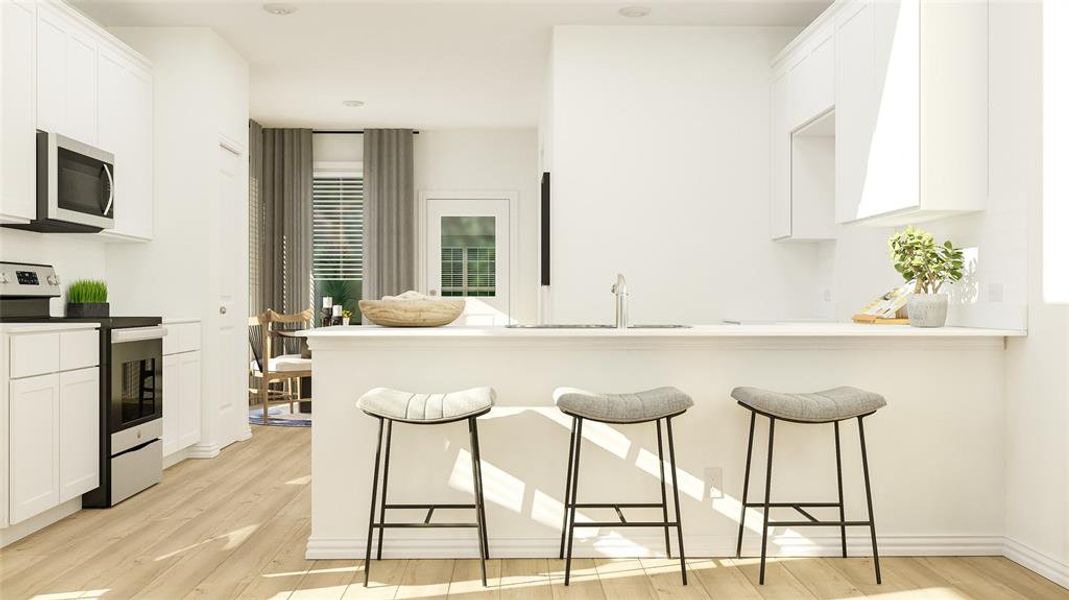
[28, 280]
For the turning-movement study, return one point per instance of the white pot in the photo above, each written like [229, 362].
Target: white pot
[927, 310]
[345, 320]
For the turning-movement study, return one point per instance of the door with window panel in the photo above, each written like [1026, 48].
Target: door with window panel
[467, 245]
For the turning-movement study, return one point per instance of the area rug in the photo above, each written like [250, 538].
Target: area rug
[279, 415]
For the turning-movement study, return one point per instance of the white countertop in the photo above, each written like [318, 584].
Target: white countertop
[45, 327]
[807, 329]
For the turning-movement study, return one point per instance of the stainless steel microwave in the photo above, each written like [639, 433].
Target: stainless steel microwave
[75, 186]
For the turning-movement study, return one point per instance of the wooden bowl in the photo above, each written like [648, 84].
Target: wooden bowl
[412, 309]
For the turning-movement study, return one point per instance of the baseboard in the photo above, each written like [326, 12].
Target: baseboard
[14, 533]
[204, 450]
[1036, 561]
[652, 545]
[176, 457]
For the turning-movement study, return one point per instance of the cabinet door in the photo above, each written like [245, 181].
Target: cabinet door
[812, 84]
[854, 109]
[17, 187]
[126, 131]
[780, 208]
[81, 122]
[79, 432]
[172, 400]
[189, 392]
[34, 445]
[51, 70]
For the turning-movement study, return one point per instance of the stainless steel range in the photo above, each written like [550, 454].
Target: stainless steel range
[131, 382]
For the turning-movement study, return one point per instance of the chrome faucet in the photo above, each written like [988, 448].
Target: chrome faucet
[619, 289]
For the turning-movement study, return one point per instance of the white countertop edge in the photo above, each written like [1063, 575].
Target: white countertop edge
[16, 328]
[179, 320]
[835, 330]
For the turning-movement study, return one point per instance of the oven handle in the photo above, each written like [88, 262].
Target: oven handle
[137, 334]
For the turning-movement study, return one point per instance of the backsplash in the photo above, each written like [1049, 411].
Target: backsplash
[75, 256]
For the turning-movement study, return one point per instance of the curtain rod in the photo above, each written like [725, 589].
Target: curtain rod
[348, 131]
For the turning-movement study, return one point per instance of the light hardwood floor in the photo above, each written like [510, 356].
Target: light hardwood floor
[235, 527]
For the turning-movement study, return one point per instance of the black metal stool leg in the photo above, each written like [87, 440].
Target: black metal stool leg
[675, 494]
[481, 499]
[839, 474]
[664, 495]
[572, 500]
[567, 489]
[745, 486]
[868, 497]
[385, 480]
[768, 492]
[478, 489]
[371, 519]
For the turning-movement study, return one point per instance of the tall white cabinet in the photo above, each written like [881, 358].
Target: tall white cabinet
[63, 73]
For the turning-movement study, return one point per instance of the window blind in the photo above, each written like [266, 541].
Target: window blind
[337, 228]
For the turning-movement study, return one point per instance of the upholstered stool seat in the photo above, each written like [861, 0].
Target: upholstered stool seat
[836, 404]
[639, 407]
[407, 407]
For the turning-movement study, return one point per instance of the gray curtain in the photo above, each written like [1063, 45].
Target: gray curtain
[282, 182]
[389, 213]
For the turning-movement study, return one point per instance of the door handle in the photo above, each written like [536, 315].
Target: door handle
[222, 310]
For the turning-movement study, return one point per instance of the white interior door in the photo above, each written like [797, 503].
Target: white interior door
[224, 419]
[467, 245]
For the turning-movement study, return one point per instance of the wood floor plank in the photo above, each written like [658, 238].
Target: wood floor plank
[584, 584]
[426, 579]
[467, 584]
[1018, 578]
[386, 577]
[328, 580]
[279, 578]
[821, 579]
[667, 581]
[972, 582]
[525, 579]
[624, 578]
[779, 584]
[722, 580]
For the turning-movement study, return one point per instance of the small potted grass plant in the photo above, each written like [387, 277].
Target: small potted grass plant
[87, 298]
[928, 265]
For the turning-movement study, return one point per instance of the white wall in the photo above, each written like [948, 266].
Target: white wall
[490, 160]
[75, 256]
[660, 157]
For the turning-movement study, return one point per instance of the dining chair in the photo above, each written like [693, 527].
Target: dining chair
[285, 367]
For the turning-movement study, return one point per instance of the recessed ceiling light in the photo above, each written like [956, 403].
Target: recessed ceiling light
[279, 9]
[353, 103]
[634, 12]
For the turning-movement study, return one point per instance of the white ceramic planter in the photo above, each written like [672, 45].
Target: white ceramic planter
[927, 310]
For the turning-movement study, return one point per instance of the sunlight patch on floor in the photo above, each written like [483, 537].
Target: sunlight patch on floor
[233, 540]
[69, 595]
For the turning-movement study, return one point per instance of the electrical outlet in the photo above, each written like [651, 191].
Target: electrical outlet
[714, 482]
[827, 294]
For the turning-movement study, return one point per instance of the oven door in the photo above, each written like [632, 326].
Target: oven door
[81, 181]
[136, 394]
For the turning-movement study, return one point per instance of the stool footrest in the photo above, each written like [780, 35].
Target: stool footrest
[422, 525]
[430, 508]
[617, 506]
[627, 524]
[819, 523]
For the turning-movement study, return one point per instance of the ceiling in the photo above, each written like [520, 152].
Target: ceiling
[429, 65]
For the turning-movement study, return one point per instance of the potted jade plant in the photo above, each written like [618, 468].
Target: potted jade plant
[928, 266]
[87, 298]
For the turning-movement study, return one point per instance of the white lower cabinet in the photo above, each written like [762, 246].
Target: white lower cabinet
[79, 432]
[181, 387]
[34, 449]
[52, 430]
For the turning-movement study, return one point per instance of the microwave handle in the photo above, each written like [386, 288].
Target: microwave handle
[111, 189]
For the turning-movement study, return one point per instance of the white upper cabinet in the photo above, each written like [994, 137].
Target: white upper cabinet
[906, 83]
[18, 203]
[780, 209]
[91, 87]
[913, 133]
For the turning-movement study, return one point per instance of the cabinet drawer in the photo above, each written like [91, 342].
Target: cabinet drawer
[79, 349]
[34, 354]
[181, 337]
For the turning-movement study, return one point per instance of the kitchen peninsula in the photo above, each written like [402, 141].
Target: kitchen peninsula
[931, 450]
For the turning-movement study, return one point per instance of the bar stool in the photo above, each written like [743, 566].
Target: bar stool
[390, 406]
[658, 404]
[829, 406]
